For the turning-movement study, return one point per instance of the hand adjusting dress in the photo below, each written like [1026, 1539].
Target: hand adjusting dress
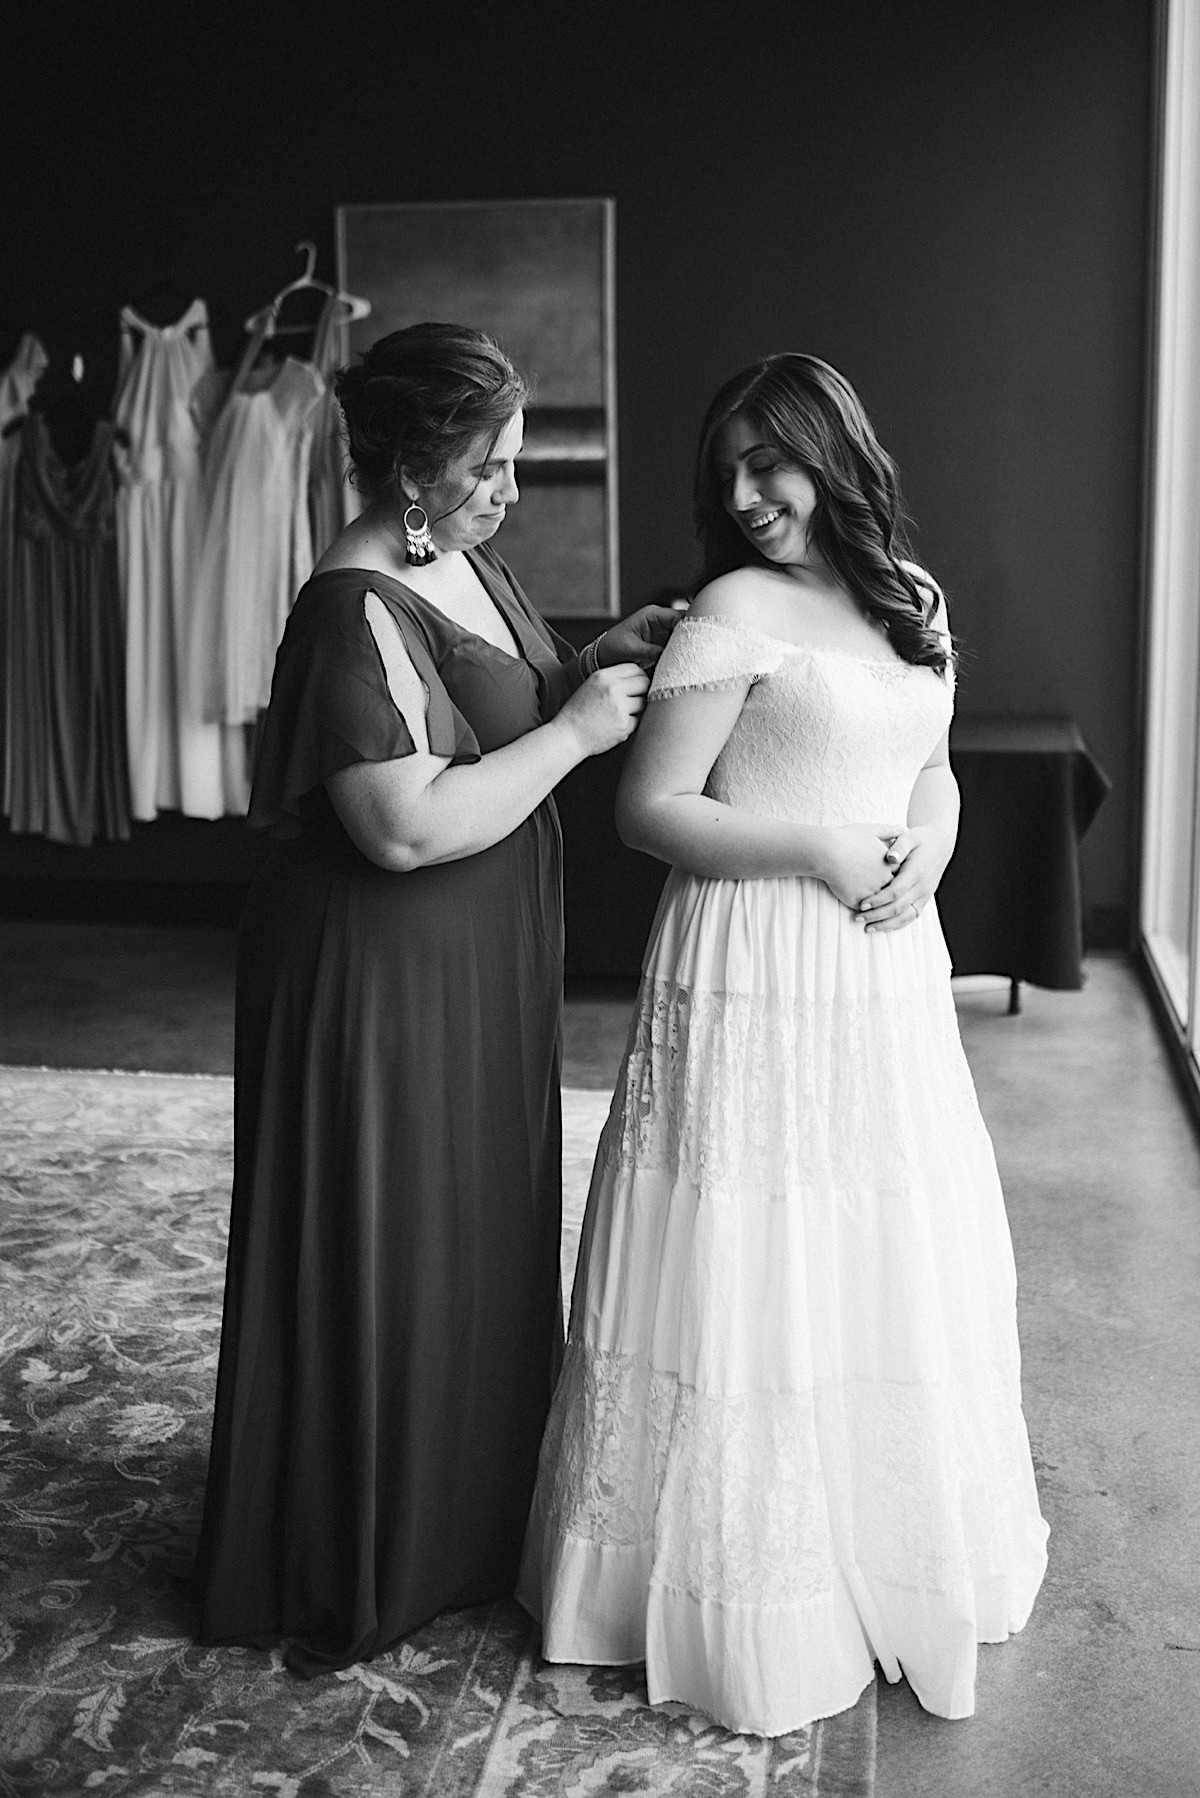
[393, 1322]
[788, 1438]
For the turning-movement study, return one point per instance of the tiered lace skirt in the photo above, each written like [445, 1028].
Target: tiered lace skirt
[788, 1440]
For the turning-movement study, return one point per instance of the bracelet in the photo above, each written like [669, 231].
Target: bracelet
[589, 658]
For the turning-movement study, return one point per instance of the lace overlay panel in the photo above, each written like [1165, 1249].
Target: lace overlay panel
[759, 1499]
[753, 1092]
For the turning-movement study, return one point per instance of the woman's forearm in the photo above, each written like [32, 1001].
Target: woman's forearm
[461, 810]
[469, 808]
[717, 842]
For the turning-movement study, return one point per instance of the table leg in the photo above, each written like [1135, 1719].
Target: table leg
[1014, 998]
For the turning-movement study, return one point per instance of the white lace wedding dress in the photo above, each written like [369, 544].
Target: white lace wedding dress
[788, 1440]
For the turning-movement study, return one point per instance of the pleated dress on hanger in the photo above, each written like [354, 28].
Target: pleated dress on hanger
[327, 473]
[69, 775]
[16, 388]
[178, 761]
[257, 540]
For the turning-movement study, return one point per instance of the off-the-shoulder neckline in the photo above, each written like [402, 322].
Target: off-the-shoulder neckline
[802, 649]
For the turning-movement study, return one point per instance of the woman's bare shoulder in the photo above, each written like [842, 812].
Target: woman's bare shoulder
[358, 545]
[745, 596]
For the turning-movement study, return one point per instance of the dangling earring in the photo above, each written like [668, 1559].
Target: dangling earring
[418, 538]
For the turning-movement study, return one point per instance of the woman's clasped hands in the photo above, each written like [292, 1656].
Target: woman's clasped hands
[886, 876]
[853, 864]
[917, 857]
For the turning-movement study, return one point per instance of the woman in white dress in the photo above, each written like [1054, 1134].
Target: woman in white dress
[787, 1441]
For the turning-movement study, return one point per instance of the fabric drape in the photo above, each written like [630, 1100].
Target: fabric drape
[69, 777]
[327, 473]
[178, 760]
[17, 384]
[256, 550]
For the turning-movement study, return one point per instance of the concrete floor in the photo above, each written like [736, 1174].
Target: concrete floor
[116, 996]
[1100, 1696]
[150, 997]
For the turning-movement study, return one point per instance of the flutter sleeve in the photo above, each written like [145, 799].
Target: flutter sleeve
[331, 707]
[713, 652]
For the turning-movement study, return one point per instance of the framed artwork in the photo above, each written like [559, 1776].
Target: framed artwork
[538, 276]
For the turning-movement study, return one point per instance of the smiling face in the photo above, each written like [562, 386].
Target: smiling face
[468, 504]
[771, 500]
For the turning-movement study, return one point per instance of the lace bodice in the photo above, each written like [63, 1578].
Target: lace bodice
[824, 737]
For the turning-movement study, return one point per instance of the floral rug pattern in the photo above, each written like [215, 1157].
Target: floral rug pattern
[113, 1198]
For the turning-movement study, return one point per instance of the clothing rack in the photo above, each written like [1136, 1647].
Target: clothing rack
[161, 459]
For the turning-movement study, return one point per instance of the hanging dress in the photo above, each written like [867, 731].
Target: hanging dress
[327, 474]
[16, 389]
[393, 1321]
[788, 1438]
[178, 761]
[69, 773]
[257, 548]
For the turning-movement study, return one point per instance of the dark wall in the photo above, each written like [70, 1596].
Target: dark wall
[949, 202]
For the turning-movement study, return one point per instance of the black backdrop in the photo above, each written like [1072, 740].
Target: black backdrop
[950, 202]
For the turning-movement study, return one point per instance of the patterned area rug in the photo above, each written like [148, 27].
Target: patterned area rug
[113, 1195]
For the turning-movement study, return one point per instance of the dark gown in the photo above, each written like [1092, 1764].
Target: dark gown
[67, 773]
[393, 1326]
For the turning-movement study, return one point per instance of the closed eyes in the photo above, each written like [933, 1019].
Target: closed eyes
[725, 475]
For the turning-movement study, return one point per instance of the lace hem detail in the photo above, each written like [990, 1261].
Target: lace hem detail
[761, 1498]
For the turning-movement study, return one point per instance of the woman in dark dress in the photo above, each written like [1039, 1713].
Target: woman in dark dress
[392, 1328]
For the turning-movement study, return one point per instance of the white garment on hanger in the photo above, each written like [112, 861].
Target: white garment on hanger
[258, 540]
[327, 485]
[19, 379]
[178, 761]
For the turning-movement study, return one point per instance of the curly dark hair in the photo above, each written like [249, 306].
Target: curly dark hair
[419, 398]
[812, 416]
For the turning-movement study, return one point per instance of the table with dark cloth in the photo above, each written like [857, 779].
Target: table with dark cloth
[1010, 901]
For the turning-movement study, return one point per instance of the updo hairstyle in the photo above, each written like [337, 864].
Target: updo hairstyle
[814, 420]
[419, 398]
